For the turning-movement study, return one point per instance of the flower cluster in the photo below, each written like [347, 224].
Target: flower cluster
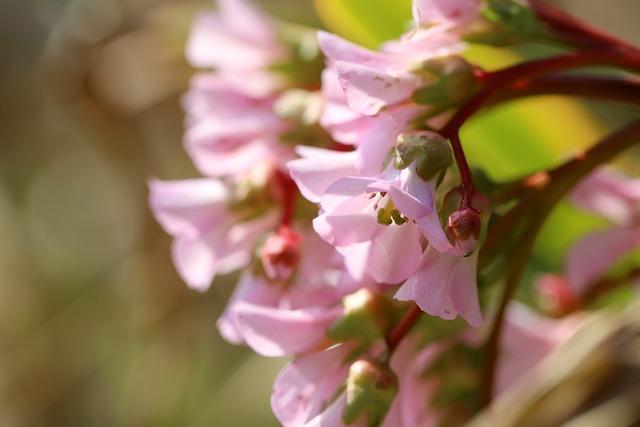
[329, 181]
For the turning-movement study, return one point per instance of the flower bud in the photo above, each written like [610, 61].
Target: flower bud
[428, 151]
[371, 388]
[367, 317]
[450, 80]
[505, 22]
[280, 254]
[555, 295]
[463, 230]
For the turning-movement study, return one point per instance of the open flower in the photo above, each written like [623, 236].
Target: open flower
[208, 237]
[305, 303]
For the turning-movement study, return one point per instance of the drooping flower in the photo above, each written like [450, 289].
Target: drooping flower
[304, 303]
[240, 43]
[209, 238]
[230, 132]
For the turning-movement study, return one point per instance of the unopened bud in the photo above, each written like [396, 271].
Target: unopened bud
[427, 151]
[280, 254]
[506, 22]
[555, 295]
[367, 317]
[449, 81]
[463, 230]
[371, 388]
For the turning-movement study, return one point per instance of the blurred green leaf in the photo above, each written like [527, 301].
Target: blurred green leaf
[367, 22]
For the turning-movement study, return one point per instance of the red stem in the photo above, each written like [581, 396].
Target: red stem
[403, 327]
[494, 82]
[574, 31]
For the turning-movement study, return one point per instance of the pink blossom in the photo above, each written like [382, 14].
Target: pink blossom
[445, 285]
[611, 195]
[410, 407]
[208, 240]
[237, 37]
[350, 222]
[305, 306]
[228, 131]
[303, 390]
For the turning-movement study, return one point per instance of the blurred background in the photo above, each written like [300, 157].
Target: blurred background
[96, 328]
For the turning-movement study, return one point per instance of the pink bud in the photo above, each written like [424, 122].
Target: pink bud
[281, 253]
[556, 295]
[463, 229]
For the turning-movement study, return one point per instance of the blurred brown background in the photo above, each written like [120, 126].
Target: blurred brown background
[96, 329]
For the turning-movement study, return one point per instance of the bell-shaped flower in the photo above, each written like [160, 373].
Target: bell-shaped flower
[237, 37]
[305, 303]
[304, 389]
[208, 238]
[445, 283]
[229, 132]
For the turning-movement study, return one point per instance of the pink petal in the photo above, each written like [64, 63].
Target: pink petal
[262, 328]
[395, 253]
[318, 169]
[590, 258]
[212, 44]
[344, 190]
[338, 49]
[369, 90]
[429, 287]
[444, 12]
[188, 207]
[464, 289]
[356, 258]
[249, 289]
[417, 198]
[609, 194]
[432, 230]
[304, 386]
[195, 262]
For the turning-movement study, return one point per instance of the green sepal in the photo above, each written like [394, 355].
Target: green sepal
[427, 151]
[370, 392]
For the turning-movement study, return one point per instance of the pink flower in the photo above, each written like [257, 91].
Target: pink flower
[370, 80]
[305, 305]
[228, 131]
[208, 240]
[305, 387]
[445, 285]
[410, 407]
[236, 38]
[352, 208]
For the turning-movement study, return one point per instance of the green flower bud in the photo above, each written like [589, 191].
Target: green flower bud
[367, 317]
[428, 151]
[450, 80]
[371, 388]
[506, 22]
